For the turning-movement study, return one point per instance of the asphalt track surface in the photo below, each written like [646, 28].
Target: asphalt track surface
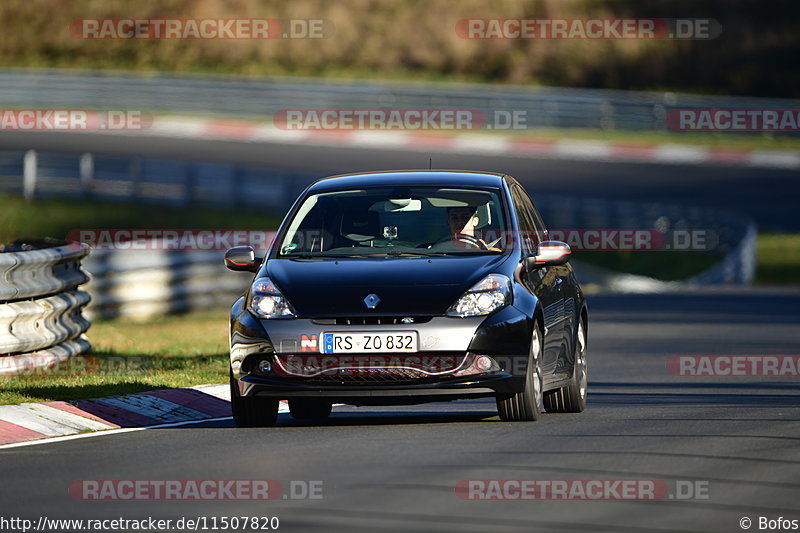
[769, 195]
[395, 469]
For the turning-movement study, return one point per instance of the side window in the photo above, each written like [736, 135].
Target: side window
[541, 231]
[526, 224]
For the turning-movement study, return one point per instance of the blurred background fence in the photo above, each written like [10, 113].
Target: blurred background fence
[134, 179]
[141, 284]
[557, 107]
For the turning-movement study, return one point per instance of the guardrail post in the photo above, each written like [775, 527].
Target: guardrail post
[135, 169]
[29, 175]
[235, 183]
[188, 184]
[86, 173]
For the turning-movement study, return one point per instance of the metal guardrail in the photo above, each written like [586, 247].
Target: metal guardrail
[145, 179]
[261, 98]
[41, 305]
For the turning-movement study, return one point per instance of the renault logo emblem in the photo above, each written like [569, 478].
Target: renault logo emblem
[372, 301]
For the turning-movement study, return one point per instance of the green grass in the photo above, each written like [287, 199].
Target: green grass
[128, 357]
[56, 217]
[778, 259]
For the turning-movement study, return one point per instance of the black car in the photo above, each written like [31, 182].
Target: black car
[408, 287]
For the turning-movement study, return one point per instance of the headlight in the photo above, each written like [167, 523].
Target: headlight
[485, 297]
[267, 301]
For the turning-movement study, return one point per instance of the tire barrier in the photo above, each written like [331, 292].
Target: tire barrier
[41, 307]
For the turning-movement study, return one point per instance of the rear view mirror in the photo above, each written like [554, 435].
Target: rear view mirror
[549, 253]
[242, 259]
[398, 205]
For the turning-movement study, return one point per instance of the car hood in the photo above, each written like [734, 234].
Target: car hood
[406, 286]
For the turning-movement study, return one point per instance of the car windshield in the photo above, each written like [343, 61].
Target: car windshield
[396, 221]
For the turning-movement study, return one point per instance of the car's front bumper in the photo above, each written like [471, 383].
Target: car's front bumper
[503, 336]
[422, 391]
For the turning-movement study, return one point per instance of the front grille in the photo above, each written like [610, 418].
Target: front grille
[362, 380]
[394, 377]
[371, 320]
[368, 368]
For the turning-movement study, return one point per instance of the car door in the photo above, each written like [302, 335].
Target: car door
[541, 281]
[566, 323]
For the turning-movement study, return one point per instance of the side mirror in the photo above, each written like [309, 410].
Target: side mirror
[242, 259]
[549, 253]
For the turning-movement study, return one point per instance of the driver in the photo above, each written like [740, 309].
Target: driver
[461, 222]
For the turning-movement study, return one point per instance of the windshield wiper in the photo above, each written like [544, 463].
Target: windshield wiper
[398, 253]
[313, 255]
[476, 252]
[389, 253]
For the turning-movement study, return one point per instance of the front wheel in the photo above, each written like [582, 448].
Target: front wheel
[252, 411]
[572, 398]
[527, 405]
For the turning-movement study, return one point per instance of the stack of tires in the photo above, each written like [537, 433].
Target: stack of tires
[41, 307]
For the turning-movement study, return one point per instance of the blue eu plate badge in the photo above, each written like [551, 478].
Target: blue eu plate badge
[328, 343]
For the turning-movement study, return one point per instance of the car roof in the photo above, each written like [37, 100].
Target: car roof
[409, 177]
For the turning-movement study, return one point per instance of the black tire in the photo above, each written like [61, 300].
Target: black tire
[309, 408]
[572, 398]
[252, 411]
[527, 406]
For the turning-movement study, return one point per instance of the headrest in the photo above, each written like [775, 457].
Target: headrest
[361, 225]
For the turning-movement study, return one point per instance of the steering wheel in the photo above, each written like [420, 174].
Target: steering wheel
[463, 237]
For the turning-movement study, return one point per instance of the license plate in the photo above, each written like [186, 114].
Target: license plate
[405, 342]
